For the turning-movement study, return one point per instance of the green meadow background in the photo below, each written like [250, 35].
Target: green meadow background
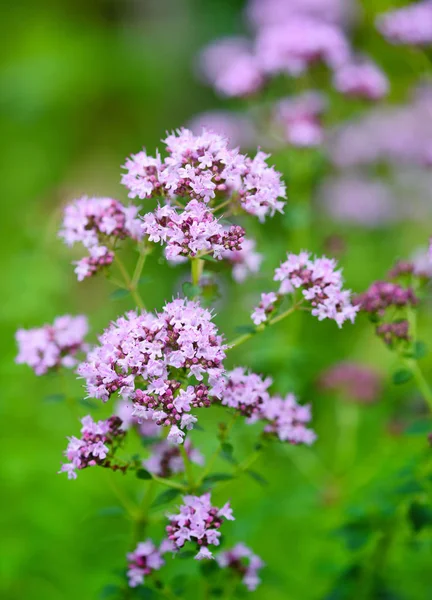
[82, 85]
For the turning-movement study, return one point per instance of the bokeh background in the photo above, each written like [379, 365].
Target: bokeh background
[82, 85]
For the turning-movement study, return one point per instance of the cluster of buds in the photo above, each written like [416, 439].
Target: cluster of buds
[242, 561]
[166, 459]
[145, 559]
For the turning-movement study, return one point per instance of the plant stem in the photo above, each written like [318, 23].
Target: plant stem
[422, 384]
[188, 467]
[171, 484]
[128, 281]
[197, 267]
[138, 268]
[243, 338]
[127, 504]
[215, 454]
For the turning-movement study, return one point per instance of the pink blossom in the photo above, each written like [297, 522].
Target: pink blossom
[245, 392]
[411, 24]
[361, 79]
[357, 382]
[320, 285]
[288, 420]
[244, 563]
[265, 12]
[237, 128]
[145, 559]
[94, 221]
[198, 522]
[97, 439]
[245, 261]
[191, 232]
[291, 45]
[204, 168]
[231, 67]
[166, 460]
[300, 119]
[140, 356]
[51, 346]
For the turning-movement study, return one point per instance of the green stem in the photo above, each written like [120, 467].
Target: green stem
[129, 283]
[215, 454]
[168, 483]
[422, 384]
[129, 506]
[243, 338]
[138, 268]
[197, 267]
[188, 467]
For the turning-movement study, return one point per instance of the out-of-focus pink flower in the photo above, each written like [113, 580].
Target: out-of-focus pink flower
[362, 79]
[358, 200]
[300, 119]
[237, 128]
[411, 24]
[244, 562]
[265, 12]
[143, 560]
[166, 460]
[231, 67]
[400, 135]
[355, 381]
[245, 261]
[292, 45]
[51, 346]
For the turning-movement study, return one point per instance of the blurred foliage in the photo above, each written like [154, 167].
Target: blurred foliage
[82, 85]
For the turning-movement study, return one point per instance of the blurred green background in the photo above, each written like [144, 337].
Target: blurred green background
[82, 85]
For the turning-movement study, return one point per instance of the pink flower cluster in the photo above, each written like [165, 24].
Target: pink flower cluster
[408, 25]
[166, 460]
[245, 392]
[320, 284]
[52, 346]
[145, 559]
[381, 295]
[94, 222]
[362, 79]
[245, 261]
[147, 357]
[244, 562]
[191, 232]
[198, 522]
[204, 168]
[248, 393]
[300, 119]
[146, 429]
[96, 442]
[263, 12]
[355, 381]
[287, 420]
[396, 135]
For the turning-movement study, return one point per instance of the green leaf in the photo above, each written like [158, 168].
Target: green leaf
[246, 329]
[109, 591]
[119, 294]
[257, 477]
[90, 404]
[190, 290]
[411, 486]
[402, 376]
[149, 441]
[420, 350]
[165, 497]
[420, 516]
[143, 474]
[186, 554]
[218, 477]
[419, 427]
[208, 258]
[226, 453]
[55, 398]
[110, 511]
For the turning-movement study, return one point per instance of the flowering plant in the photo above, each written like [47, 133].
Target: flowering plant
[157, 370]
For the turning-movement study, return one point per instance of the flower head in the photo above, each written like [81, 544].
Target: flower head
[244, 563]
[355, 381]
[245, 261]
[147, 357]
[145, 559]
[198, 522]
[288, 420]
[246, 392]
[408, 25]
[362, 79]
[300, 119]
[204, 168]
[94, 221]
[166, 460]
[51, 346]
[98, 439]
